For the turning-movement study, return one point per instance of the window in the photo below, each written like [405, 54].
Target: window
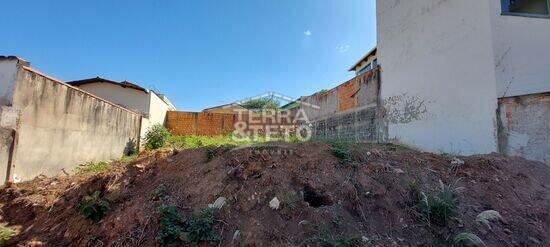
[526, 7]
[365, 69]
[374, 63]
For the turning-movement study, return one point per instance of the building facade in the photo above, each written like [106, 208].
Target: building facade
[461, 76]
[151, 105]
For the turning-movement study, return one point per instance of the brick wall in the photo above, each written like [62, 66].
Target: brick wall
[200, 123]
[346, 91]
[211, 124]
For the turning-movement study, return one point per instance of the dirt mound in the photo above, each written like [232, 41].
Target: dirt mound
[291, 195]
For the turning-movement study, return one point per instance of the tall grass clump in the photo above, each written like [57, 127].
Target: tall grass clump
[440, 206]
[155, 137]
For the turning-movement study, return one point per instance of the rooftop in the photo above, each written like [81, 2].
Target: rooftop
[364, 58]
[125, 84]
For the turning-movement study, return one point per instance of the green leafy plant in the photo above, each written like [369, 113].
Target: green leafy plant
[155, 137]
[171, 226]
[199, 227]
[439, 207]
[6, 234]
[93, 206]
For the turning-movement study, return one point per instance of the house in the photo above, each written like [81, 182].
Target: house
[151, 105]
[366, 63]
[226, 108]
[466, 76]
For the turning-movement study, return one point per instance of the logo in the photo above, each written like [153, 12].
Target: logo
[263, 116]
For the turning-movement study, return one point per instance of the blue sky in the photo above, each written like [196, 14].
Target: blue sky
[200, 53]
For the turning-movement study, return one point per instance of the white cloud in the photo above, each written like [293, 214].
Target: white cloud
[342, 48]
[307, 33]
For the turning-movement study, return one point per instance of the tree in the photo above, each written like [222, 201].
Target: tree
[261, 103]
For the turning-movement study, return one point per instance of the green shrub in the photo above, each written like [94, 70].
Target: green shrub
[5, 234]
[93, 167]
[131, 147]
[93, 206]
[210, 153]
[199, 227]
[155, 137]
[170, 227]
[439, 207]
[341, 150]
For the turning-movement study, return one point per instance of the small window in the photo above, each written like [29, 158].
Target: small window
[528, 7]
[365, 69]
[374, 63]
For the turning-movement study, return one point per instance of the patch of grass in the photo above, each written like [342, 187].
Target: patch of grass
[194, 141]
[6, 234]
[93, 206]
[156, 137]
[440, 206]
[93, 167]
[128, 158]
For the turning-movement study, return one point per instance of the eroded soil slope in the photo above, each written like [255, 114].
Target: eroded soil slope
[370, 198]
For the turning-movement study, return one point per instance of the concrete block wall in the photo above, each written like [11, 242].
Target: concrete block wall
[358, 125]
[58, 126]
[349, 111]
[524, 126]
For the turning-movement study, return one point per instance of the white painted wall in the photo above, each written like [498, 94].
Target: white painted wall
[151, 105]
[438, 80]
[522, 53]
[8, 69]
[157, 112]
[129, 98]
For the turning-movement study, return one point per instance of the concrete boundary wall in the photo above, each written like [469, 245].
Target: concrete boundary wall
[349, 111]
[58, 126]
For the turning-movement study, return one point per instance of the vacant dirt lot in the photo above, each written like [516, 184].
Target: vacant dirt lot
[359, 195]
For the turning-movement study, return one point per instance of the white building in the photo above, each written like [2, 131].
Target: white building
[150, 105]
[467, 76]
